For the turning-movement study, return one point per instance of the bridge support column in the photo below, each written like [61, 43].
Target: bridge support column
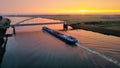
[14, 32]
[65, 27]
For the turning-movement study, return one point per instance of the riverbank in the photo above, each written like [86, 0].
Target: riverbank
[97, 29]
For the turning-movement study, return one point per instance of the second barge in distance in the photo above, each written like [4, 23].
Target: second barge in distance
[67, 39]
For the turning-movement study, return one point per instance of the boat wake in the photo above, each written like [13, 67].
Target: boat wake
[99, 54]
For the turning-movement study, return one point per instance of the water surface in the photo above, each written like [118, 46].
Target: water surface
[33, 48]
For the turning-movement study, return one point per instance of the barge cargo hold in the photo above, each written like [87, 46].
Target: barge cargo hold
[67, 39]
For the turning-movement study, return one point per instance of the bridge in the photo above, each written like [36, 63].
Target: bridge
[65, 26]
[20, 24]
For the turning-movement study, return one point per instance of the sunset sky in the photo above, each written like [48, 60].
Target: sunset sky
[59, 6]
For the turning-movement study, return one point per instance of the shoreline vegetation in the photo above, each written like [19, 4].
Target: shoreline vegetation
[106, 24]
[97, 29]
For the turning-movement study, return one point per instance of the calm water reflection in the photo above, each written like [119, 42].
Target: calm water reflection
[33, 48]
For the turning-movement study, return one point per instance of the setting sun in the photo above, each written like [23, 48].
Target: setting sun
[82, 11]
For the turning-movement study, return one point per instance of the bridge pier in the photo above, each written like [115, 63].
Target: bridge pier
[14, 31]
[65, 27]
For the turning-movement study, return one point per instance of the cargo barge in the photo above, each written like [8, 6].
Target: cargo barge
[65, 38]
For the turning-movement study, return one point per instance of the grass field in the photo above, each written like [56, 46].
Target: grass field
[85, 18]
[113, 25]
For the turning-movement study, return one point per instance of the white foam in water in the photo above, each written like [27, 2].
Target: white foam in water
[99, 54]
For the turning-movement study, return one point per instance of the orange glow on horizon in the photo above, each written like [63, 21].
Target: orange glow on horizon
[90, 11]
[96, 11]
[82, 11]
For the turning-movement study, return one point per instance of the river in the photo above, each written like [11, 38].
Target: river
[33, 48]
